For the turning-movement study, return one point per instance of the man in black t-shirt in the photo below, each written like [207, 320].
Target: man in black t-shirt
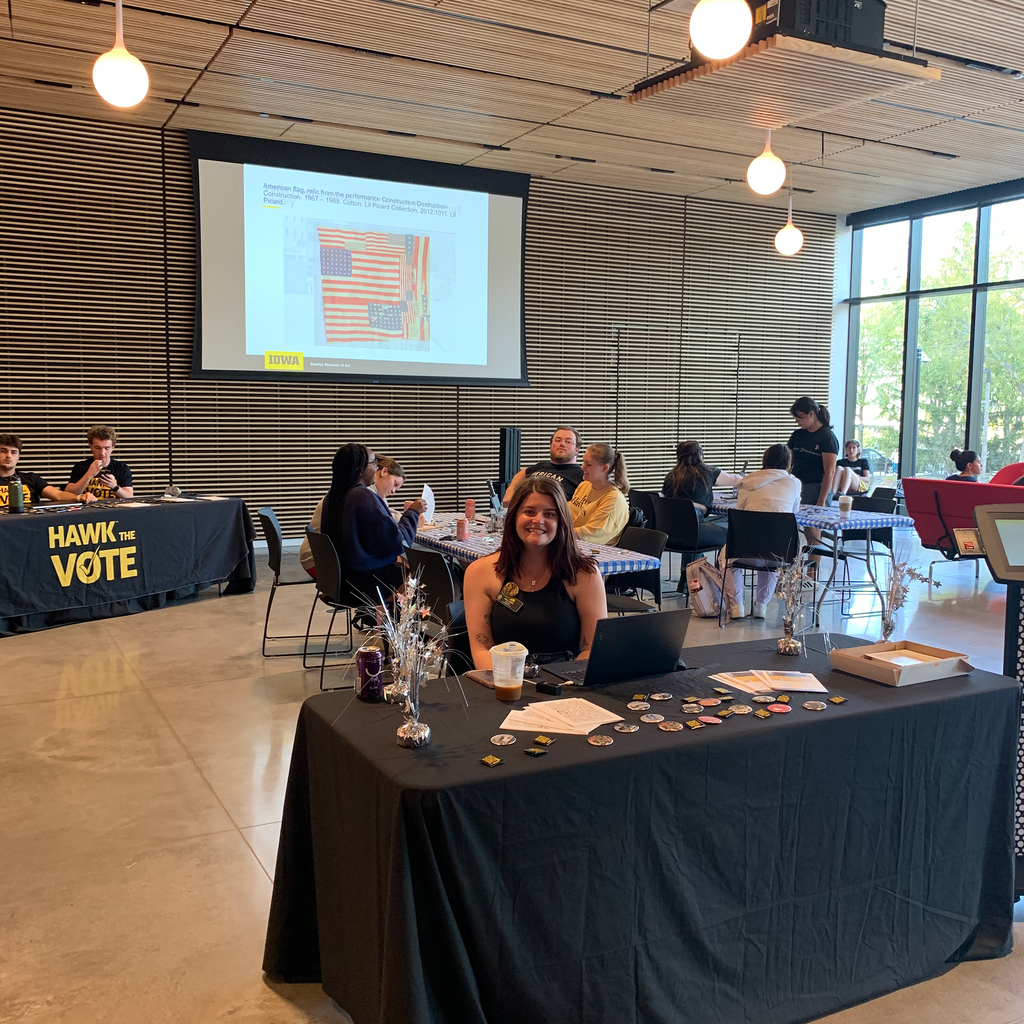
[565, 446]
[33, 487]
[102, 476]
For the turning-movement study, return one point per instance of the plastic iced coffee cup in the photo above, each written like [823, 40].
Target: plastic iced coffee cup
[845, 505]
[507, 662]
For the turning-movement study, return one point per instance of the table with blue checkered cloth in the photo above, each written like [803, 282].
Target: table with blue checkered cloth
[820, 518]
[441, 537]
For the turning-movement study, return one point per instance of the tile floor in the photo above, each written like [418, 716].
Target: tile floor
[144, 761]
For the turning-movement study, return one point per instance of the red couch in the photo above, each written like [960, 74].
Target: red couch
[938, 507]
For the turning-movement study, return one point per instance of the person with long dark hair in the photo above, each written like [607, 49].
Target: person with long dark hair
[365, 534]
[691, 477]
[968, 465]
[538, 588]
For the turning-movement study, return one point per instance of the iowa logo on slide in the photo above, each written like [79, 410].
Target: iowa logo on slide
[282, 360]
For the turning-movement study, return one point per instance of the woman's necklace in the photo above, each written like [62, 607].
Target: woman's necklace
[533, 582]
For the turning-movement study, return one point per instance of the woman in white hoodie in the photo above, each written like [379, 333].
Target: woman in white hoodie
[770, 489]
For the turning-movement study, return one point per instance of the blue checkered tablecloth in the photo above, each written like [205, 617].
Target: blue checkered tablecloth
[441, 537]
[828, 518]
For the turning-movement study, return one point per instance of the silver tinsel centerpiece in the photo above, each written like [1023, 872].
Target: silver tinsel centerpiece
[902, 572]
[790, 590]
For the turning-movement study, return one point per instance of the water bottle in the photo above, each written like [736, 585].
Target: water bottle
[15, 495]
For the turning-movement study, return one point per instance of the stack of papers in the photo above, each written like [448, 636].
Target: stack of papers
[573, 716]
[764, 681]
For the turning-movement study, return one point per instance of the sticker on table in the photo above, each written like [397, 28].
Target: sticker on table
[741, 709]
[710, 720]
[709, 702]
[815, 705]
[692, 709]
[652, 719]
[638, 705]
[670, 726]
[695, 723]
[662, 696]
[600, 741]
[779, 709]
[491, 761]
[626, 727]
[503, 739]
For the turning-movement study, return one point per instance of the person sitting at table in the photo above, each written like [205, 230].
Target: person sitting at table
[968, 464]
[852, 473]
[693, 478]
[772, 488]
[387, 479]
[102, 476]
[565, 446]
[33, 487]
[599, 508]
[366, 536]
[538, 588]
[815, 453]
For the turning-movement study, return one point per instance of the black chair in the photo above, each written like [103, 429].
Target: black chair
[883, 492]
[678, 517]
[642, 500]
[460, 656]
[291, 578]
[760, 540]
[436, 578]
[334, 592]
[647, 542]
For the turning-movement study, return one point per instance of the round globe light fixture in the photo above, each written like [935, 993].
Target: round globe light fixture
[719, 29]
[766, 173]
[120, 78]
[789, 240]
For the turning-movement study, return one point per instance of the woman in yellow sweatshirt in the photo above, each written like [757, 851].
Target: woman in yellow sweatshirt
[599, 507]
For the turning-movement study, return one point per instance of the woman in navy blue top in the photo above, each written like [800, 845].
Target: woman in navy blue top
[359, 522]
[968, 463]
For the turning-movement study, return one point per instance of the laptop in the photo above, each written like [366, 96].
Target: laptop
[629, 647]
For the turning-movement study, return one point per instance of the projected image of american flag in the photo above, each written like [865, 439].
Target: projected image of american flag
[376, 286]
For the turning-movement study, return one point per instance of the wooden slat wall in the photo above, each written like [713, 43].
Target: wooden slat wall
[98, 292]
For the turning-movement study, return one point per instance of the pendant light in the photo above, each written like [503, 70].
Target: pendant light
[120, 78]
[766, 173]
[719, 29]
[789, 240]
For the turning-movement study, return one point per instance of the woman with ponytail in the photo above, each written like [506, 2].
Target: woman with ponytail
[599, 508]
[815, 454]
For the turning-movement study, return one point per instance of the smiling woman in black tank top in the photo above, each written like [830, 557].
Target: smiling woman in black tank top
[538, 589]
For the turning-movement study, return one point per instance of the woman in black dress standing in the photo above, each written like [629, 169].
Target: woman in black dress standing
[815, 454]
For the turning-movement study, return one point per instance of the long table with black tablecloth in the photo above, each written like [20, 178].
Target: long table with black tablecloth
[756, 870]
[95, 561]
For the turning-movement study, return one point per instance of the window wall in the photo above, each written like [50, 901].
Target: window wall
[937, 339]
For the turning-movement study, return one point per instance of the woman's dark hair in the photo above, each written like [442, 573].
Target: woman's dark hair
[778, 456]
[962, 459]
[689, 473]
[806, 404]
[564, 557]
[350, 462]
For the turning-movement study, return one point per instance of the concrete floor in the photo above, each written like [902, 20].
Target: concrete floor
[144, 762]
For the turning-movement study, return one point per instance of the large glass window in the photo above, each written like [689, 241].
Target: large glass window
[947, 249]
[937, 339]
[878, 402]
[884, 259]
[1006, 246]
[1002, 382]
[943, 347]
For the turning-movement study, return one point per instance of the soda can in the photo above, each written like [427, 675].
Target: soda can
[370, 674]
[470, 508]
[462, 529]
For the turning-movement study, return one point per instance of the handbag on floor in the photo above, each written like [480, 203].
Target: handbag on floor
[704, 583]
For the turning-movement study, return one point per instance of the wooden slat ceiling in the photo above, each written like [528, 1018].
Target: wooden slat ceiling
[546, 83]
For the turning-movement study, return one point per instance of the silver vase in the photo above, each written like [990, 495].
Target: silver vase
[788, 644]
[413, 734]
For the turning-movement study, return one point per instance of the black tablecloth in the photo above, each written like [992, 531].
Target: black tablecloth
[93, 562]
[768, 871]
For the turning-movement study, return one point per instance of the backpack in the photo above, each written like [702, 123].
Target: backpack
[704, 584]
